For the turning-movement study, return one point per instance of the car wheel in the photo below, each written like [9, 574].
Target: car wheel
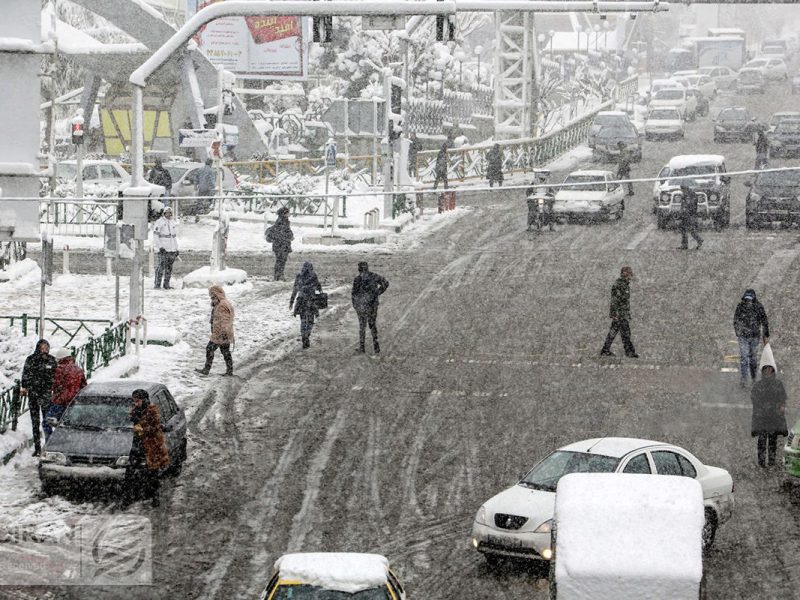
[717, 139]
[751, 221]
[620, 211]
[176, 468]
[492, 559]
[709, 529]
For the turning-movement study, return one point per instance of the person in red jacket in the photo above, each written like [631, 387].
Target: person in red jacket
[68, 381]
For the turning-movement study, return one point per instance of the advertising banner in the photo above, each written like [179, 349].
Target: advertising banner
[253, 47]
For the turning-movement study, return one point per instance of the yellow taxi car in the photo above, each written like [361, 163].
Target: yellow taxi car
[333, 576]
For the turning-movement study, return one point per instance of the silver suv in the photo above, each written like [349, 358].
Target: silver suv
[703, 173]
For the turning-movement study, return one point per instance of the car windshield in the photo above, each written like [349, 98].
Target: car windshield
[585, 183]
[779, 178]
[756, 63]
[788, 127]
[691, 170]
[777, 118]
[664, 114]
[67, 170]
[176, 172]
[99, 412]
[733, 115]
[669, 95]
[546, 474]
[603, 120]
[310, 592]
[750, 76]
[617, 131]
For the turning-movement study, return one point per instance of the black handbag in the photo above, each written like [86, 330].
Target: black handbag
[321, 300]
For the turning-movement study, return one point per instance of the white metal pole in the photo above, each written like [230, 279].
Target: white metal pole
[221, 134]
[79, 165]
[327, 175]
[346, 132]
[374, 141]
[137, 179]
[41, 308]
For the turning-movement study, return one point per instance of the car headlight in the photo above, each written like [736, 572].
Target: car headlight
[544, 527]
[713, 198]
[122, 461]
[480, 516]
[57, 458]
[665, 198]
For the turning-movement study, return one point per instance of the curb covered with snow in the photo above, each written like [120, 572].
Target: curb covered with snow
[204, 277]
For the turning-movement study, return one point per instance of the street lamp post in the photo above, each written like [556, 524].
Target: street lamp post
[460, 55]
[578, 30]
[596, 35]
[478, 51]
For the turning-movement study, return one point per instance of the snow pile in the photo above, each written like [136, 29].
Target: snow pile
[205, 277]
[17, 269]
[628, 536]
[347, 572]
[123, 366]
[14, 348]
[160, 335]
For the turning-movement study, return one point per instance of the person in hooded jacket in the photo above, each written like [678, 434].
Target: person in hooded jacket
[494, 166]
[306, 285]
[367, 287]
[221, 330]
[281, 236]
[68, 381]
[160, 176]
[149, 451]
[751, 326]
[769, 412]
[37, 384]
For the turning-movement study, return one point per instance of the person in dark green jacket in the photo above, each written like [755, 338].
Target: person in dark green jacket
[620, 313]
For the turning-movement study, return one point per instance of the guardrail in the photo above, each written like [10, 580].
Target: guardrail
[96, 352]
[77, 217]
[62, 325]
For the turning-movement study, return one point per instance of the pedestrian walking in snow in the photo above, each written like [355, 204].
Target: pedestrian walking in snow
[367, 287]
[149, 451]
[160, 176]
[620, 313]
[280, 235]
[414, 147]
[751, 326]
[69, 379]
[221, 330]
[306, 286]
[494, 165]
[624, 166]
[165, 245]
[762, 150]
[440, 170]
[768, 397]
[37, 384]
[688, 218]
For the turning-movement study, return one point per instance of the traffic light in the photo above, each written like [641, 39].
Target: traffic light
[395, 129]
[76, 127]
[322, 29]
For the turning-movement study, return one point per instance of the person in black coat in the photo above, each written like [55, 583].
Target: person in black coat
[37, 384]
[367, 287]
[160, 176]
[750, 323]
[281, 236]
[306, 285]
[688, 223]
[414, 147]
[494, 167]
[762, 150]
[440, 170]
[769, 414]
[624, 166]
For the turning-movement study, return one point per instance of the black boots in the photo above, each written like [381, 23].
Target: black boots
[306, 342]
[376, 346]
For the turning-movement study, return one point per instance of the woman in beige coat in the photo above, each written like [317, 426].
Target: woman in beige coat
[221, 330]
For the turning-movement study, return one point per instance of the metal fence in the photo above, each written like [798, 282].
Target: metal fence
[68, 327]
[77, 217]
[95, 353]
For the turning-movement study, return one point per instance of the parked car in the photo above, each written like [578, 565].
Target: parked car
[704, 83]
[784, 140]
[333, 575]
[705, 175]
[773, 69]
[606, 144]
[661, 84]
[91, 444]
[664, 122]
[791, 453]
[607, 118]
[676, 97]
[100, 177]
[184, 185]
[589, 194]
[517, 521]
[724, 77]
[751, 80]
[773, 196]
[796, 84]
[734, 123]
[789, 115]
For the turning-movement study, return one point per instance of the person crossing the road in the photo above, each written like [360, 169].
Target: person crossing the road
[306, 286]
[222, 335]
[367, 287]
[750, 323]
[762, 150]
[281, 236]
[620, 314]
[624, 166]
[688, 223]
[768, 397]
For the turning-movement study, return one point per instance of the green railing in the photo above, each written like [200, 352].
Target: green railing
[66, 326]
[97, 352]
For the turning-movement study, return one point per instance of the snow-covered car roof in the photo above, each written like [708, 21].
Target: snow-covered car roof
[118, 387]
[348, 572]
[689, 160]
[590, 173]
[616, 447]
[89, 162]
[664, 82]
[612, 113]
[671, 109]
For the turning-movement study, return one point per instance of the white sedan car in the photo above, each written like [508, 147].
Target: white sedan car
[589, 194]
[772, 68]
[678, 98]
[704, 83]
[664, 121]
[516, 522]
[723, 77]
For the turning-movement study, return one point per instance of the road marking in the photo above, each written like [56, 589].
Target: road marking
[639, 237]
[729, 370]
[725, 405]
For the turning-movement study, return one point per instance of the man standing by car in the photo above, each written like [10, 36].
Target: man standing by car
[165, 244]
[762, 150]
[749, 323]
[281, 236]
[160, 176]
[149, 451]
[37, 384]
[624, 166]
[367, 286]
[620, 313]
[688, 218]
[68, 381]
[206, 185]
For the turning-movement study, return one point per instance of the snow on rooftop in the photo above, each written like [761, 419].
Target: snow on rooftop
[348, 572]
[688, 160]
[628, 536]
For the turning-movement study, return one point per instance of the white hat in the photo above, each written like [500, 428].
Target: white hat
[767, 360]
[62, 353]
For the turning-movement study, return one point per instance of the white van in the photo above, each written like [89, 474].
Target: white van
[627, 536]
